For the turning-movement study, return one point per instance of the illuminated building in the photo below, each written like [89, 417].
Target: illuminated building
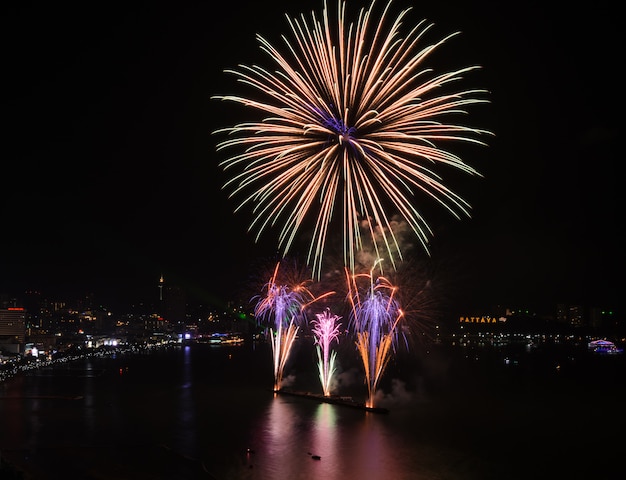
[575, 316]
[172, 304]
[12, 329]
[604, 346]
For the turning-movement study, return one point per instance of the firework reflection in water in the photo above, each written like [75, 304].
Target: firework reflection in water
[281, 310]
[375, 316]
[326, 330]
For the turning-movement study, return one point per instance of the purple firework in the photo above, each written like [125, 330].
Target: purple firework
[375, 317]
[281, 310]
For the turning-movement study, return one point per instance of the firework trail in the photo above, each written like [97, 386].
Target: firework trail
[375, 317]
[326, 330]
[281, 309]
[350, 115]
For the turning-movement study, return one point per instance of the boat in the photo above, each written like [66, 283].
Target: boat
[333, 399]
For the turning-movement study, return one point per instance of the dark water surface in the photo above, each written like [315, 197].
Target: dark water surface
[201, 411]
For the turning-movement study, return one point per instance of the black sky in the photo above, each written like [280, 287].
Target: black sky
[110, 174]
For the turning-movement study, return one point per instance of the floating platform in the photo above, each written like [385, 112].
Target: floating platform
[334, 399]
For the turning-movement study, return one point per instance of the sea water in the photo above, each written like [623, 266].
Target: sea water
[203, 411]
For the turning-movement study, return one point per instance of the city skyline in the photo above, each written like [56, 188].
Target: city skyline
[188, 308]
[113, 177]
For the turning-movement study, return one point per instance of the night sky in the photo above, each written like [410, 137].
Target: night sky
[110, 176]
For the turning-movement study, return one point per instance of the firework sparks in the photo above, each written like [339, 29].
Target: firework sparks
[352, 116]
[281, 309]
[375, 317]
[326, 330]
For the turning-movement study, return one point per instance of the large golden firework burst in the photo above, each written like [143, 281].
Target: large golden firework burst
[351, 116]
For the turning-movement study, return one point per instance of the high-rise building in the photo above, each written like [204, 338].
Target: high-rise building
[595, 318]
[561, 313]
[575, 316]
[12, 329]
[172, 304]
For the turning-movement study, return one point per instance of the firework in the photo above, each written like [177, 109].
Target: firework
[350, 115]
[281, 309]
[326, 330]
[375, 317]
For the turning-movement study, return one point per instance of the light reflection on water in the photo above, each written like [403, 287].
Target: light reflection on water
[185, 408]
[325, 438]
[289, 435]
[351, 444]
[211, 405]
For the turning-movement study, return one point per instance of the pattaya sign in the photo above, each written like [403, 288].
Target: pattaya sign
[483, 319]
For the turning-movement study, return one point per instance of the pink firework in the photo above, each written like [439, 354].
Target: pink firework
[326, 330]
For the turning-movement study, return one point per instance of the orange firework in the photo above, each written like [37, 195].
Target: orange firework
[350, 115]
